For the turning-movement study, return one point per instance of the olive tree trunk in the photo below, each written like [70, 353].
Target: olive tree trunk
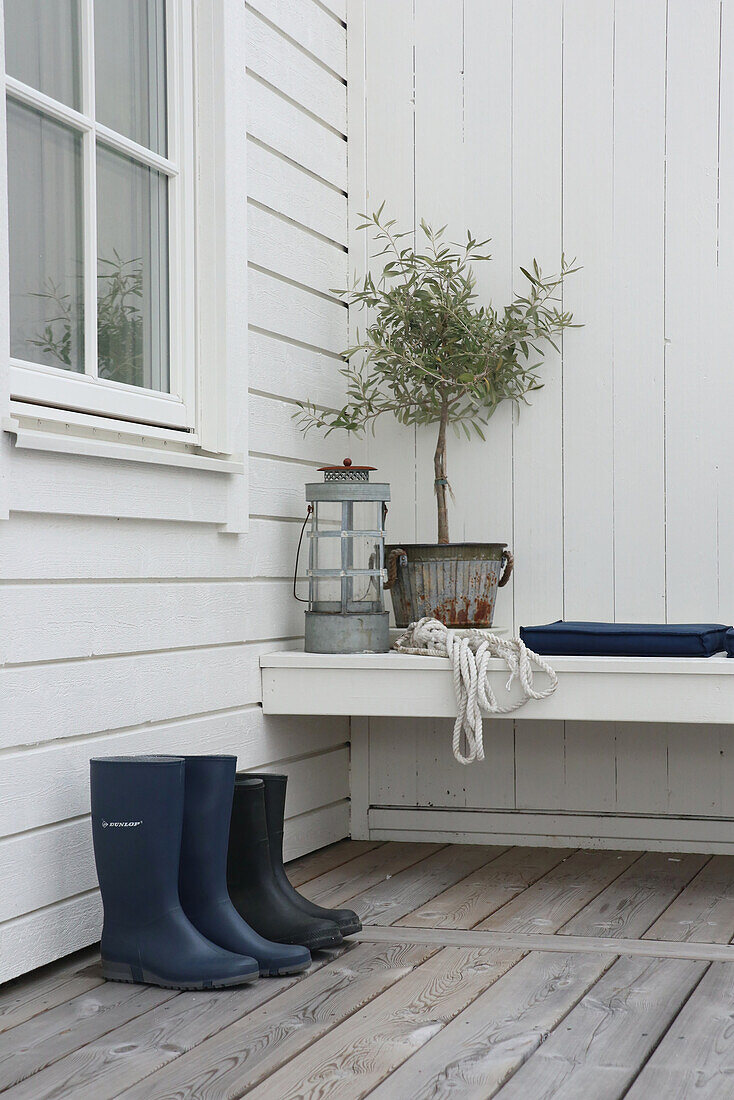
[441, 481]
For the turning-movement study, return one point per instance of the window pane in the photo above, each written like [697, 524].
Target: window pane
[132, 272]
[46, 267]
[130, 66]
[42, 46]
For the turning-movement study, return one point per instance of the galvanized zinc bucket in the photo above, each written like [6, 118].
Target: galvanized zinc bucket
[455, 584]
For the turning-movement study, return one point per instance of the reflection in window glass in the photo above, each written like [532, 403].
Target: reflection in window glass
[45, 229]
[132, 272]
[130, 68]
[42, 47]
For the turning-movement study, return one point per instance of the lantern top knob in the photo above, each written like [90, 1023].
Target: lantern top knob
[346, 472]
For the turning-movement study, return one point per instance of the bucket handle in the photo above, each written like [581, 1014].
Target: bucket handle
[509, 561]
[396, 557]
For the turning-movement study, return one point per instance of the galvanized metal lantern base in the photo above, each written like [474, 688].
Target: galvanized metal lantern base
[329, 632]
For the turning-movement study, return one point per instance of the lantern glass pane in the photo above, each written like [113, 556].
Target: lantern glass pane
[363, 594]
[327, 552]
[327, 594]
[328, 514]
[363, 552]
[366, 515]
[346, 557]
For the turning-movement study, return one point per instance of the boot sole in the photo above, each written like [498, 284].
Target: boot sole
[315, 943]
[284, 970]
[351, 929]
[121, 972]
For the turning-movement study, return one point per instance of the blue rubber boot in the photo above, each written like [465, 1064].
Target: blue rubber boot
[203, 870]
[137, 819]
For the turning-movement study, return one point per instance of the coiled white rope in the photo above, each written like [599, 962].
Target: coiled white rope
[470, 653]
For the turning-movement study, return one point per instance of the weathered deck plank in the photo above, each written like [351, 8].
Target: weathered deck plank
[353, 1058]
[429, 1012]
[26, 997]
[611, 1032]
[485, 890]
[556, 897]
[99, 1070]
[390, 900]
[630, 904]
[246, 1052]
[696, 1056]
[548, 941]
[484, 1045]
[342, 883]
[317, 863]
[44, 1039]
[704, 911]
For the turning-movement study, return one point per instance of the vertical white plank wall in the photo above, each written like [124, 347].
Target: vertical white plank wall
[603, 130]
[131, 623]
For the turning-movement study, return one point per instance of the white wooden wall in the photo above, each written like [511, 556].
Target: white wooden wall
[130, 622]
[605, 129]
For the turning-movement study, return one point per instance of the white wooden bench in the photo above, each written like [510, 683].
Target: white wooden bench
[590, 689]
[369, 688]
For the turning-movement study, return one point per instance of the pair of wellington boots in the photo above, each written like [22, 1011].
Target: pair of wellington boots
[161, 829]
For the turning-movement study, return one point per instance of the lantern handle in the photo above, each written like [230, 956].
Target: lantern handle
[298, 554]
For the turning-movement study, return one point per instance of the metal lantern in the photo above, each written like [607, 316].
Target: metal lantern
[346, 611]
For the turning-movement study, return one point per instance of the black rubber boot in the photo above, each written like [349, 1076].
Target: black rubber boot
[203, 870]
[256, 895]
[346, 920]
[137, 816]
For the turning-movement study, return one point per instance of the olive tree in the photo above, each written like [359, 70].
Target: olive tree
[430, 353]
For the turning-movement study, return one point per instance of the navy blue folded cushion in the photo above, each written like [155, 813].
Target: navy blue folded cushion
[626, 639]
[729, 642]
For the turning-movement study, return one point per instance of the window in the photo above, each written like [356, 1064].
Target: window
[100, 127]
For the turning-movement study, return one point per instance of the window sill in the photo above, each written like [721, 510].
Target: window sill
[62, 432]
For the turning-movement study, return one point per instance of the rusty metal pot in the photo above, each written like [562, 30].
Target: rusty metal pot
[456, 583]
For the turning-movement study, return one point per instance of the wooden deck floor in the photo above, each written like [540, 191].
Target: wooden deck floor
[523, 973]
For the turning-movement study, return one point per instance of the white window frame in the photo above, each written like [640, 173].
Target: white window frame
[197, 423]
[36, 383]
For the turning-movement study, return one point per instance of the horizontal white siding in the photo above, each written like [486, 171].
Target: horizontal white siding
[318, 34]
[278, 183]
[294, 252]
[275, 120]
[297, 312]
[130, 622]
[155, 615]
[602, 130]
